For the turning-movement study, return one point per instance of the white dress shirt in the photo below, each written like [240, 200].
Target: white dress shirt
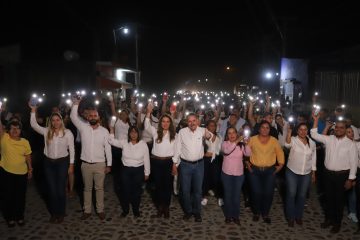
[121, 130]
[358, 148]
[282, 137]
[341, 153]
[302, 158]
[224, 126]
[163, 149]
[94, 142]
[59, 146]
[214, 147]
[189, 144]
[146, 136]
[133, 155]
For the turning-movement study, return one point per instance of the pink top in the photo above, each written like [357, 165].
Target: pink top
[233, 163]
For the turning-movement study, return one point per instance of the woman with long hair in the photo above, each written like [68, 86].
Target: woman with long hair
[161, 160]
[59, 161]
[300, 170]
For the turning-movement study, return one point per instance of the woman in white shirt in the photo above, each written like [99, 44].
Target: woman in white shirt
[211, 179]
[301, 167]
[135, 158]
[161, 160]
[59, 161]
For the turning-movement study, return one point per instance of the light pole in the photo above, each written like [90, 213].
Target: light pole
[126, 31]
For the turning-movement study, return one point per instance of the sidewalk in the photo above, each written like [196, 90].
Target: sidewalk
[212, 227]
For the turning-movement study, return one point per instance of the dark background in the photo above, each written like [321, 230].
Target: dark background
[182, 43]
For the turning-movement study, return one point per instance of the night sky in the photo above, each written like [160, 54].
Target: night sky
[182, 43]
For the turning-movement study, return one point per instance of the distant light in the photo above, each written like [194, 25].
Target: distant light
[340, 118]
[97, 102]
[199, 80]
[206, 80]
[291, 119]
[93, 93]
[5, 99]
[316, 93]
[126, 30]
[83, 92]
[227, 68]
[63, 95]
[202, 106]
[68, 101]
[343, 106]
[231, 106]
[40, 100]
[277, 74]
[119, 74]
[268, 75]
[34, 95]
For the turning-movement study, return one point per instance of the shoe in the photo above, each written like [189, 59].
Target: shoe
[60, 220]
[267, 220]
[290, 223]
[52, 219]
[187, 216]
[256, 218]
[352, 217]
[20, 222]
[236, 221]
[299, 221]
[124, 214]
[326, 224]
[101, 216]
[211, 193]
[227, 220]
[85, 216]
[335, 229]
[198, 218]
[166, 212]
[11, 223]
[204, 201]
[220, 202]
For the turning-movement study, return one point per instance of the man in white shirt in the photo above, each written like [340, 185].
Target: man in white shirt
[94, 147]
[189, 152]
[340, 171]
[233, 120]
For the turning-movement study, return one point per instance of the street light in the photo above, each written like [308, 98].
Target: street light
[126, 31]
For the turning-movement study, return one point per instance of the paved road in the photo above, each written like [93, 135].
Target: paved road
[212, 227]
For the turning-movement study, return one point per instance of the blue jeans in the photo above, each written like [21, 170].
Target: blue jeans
[262, 184]
[352, 200]
[296, 189]
[191, 178]
[56, 174]
[232, 191]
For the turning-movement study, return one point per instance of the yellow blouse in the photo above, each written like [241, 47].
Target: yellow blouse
[265, 155]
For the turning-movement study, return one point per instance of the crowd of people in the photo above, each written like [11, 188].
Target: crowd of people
[194, 145]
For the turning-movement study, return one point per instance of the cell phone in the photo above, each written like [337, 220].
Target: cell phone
[317, 110]
[113, 121]
[165, 96]
[110, 96]
[33, 102]
[173, 107]
[246, 133]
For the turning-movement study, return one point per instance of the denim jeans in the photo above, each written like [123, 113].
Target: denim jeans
[262, 184]
[56, 174]
[191, 180]
[232, 191]
[296, 189]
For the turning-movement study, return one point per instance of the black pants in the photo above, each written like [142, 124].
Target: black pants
[116, 168]
[335, 195]
[163, 181]
[131, 182]
[208, 178]
[212, 176]
[14, 194]
[357, 188]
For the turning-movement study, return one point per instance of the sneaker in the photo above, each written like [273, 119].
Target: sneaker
[220, 202]
[211, 193]
[352, 217]
[204, 201]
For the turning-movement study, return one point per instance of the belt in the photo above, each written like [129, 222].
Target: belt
[67, 158]
[89, 162]
[191, 162]
[338, 172]
[261, 168]
[160, 158]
